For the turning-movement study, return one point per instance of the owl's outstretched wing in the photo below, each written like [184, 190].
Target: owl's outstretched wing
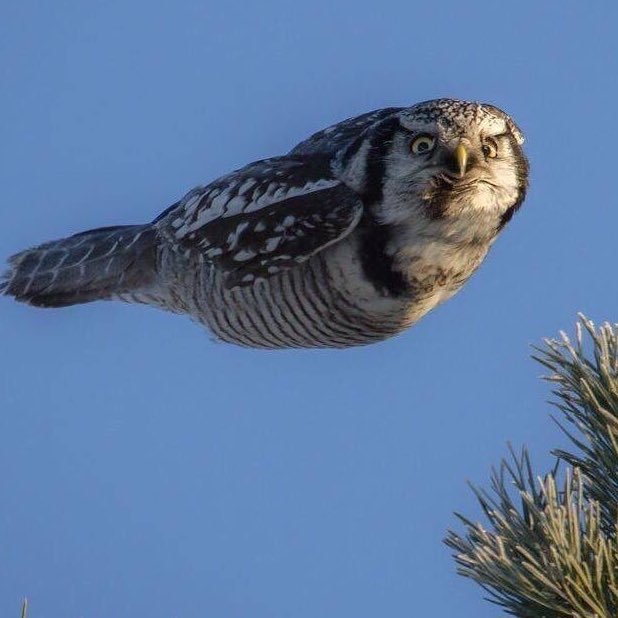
[335, 138]
[265, 218]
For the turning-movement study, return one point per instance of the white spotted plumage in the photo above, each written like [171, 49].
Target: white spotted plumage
[347, 240]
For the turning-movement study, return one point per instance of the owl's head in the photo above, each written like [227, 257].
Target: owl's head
[445, 158]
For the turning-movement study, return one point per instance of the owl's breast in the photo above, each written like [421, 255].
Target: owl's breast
[431, 273]
[435, 266]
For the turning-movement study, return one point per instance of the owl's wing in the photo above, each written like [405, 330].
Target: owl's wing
[267, 217]
[336, 137]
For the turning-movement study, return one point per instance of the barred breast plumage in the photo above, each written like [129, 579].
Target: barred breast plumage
[347, 240]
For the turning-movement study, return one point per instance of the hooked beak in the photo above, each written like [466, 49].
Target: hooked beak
[461, 156]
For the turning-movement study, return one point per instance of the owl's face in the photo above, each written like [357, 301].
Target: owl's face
[448, 158]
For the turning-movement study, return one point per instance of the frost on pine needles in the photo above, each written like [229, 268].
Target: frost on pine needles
[549, 546]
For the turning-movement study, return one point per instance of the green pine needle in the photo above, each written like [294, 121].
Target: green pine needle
[550, 548]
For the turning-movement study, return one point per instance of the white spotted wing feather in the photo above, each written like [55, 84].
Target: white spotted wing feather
[265, 218]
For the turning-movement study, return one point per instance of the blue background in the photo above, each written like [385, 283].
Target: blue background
[147, 471]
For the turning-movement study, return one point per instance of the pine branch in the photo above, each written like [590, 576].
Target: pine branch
[587, 392]
[550, 549]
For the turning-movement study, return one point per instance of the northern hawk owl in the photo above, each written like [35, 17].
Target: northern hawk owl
[348, 239]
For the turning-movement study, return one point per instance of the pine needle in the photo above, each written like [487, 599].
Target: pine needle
[550, 547]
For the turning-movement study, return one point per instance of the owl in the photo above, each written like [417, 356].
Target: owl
[348, 239]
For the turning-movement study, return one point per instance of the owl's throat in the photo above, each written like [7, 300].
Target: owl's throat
[444, 195]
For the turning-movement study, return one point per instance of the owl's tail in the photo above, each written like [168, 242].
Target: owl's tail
[93, 265]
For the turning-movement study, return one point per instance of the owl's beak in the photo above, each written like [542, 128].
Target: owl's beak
[461, 156]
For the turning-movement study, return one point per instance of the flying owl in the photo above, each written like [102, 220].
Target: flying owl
[348, 239]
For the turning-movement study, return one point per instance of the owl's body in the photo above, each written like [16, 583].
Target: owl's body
[348, 239]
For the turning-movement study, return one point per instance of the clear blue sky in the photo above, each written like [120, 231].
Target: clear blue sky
[147, 471]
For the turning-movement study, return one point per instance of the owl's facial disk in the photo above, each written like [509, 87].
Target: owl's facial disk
[453, 163]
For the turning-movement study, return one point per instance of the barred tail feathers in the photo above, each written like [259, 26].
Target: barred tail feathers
[94, 265]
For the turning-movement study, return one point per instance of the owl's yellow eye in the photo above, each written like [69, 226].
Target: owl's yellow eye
[490, 148]
[422, 144]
